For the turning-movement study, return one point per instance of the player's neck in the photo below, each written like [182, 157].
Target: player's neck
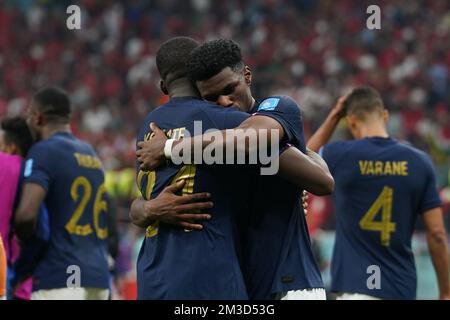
[182, 88]
[373, 130]
[50, 130]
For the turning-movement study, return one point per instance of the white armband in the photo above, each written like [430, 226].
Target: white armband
[168, 148]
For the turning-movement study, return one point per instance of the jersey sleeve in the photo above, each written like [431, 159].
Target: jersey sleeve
[38, 166]
[289, 115]
[430, 198]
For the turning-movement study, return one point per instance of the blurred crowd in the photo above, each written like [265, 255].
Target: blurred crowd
[312, 50]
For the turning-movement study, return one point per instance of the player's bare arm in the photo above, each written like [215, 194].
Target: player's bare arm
[151, 152]
[295, 166]
[437, 244]
[28, 209]
[309, 172]
[170, 208]
[324, 133]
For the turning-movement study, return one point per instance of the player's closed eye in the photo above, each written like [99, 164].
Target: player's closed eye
[228, 90]
[211, 98]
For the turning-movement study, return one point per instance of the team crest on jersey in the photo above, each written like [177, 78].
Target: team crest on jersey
[268, 104]
[28, 168]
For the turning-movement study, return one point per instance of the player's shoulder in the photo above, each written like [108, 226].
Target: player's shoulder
[207, 110]
[341, 145]
[407, 149]
[186, 105]
[85, 146]
[336, 150]
[152, 116]
[200, 106]
[59, 144]
[156, 111]
[42, 146]
[223, 118]
[277, 102]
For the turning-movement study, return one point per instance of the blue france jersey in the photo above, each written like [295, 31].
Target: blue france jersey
[69, 170]
[381, 186]
[173, 263]
[278, 250]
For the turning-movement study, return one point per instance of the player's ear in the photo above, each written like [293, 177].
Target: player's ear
[351, 122]
[40, 119]
[12, 148]
[163, 87]
[385, 116]
[8, 148]
[248, 75]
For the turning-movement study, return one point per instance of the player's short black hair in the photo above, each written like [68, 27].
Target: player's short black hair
[16, 131]
[172, 57]
[54, 103]
[212, 57]
[362, 101]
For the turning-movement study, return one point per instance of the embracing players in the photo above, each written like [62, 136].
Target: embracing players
[277, 256]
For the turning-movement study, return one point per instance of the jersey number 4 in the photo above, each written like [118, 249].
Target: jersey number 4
[384, 204]
[99, 205]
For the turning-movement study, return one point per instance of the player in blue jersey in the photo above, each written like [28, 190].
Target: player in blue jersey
[161, 271]
[382, 186]
[65, 174]
[278, 260]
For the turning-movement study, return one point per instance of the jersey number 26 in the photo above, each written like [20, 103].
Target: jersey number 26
[99, 205]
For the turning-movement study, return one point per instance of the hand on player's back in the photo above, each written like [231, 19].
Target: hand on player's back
[170, 208]
[305, 202]
[151, 153]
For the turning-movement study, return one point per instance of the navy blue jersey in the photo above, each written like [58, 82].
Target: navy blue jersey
[173, 263]
[278, 250]
[381, 186]
[72, 175]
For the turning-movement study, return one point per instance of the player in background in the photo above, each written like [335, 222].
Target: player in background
[64, 173]
[382, 186]
[278, 260]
